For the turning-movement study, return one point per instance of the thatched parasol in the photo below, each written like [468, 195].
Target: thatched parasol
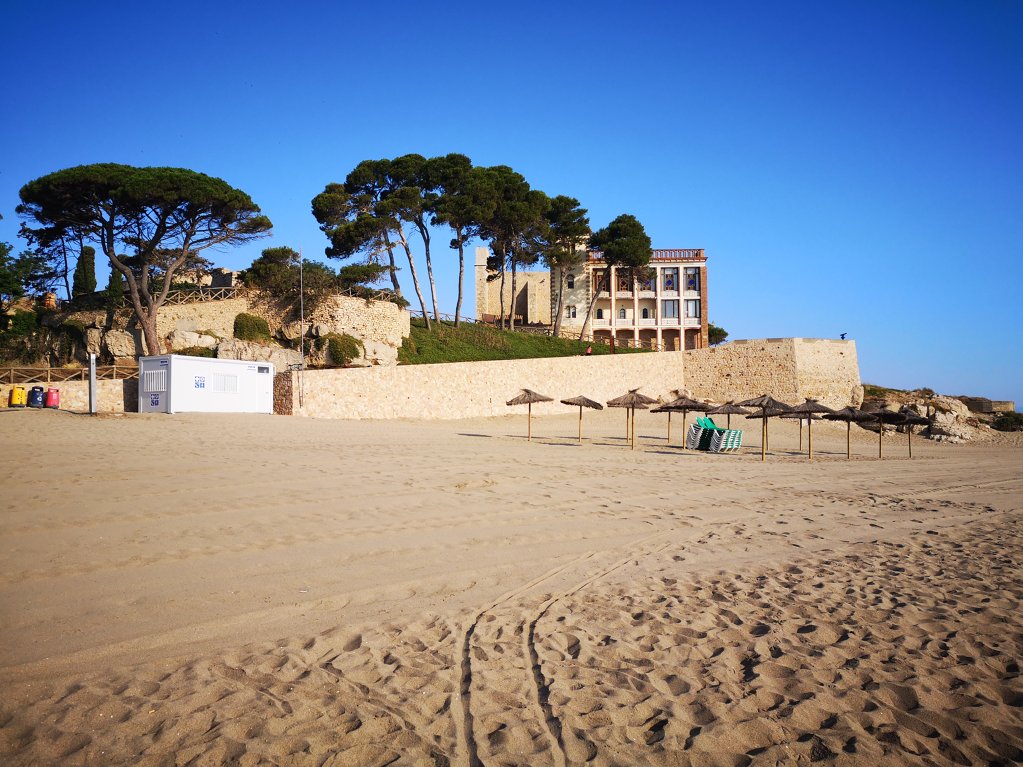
[883, 416]
[729, 409]
[631, 402]
[765, 403]
[849, 415]
[582, 402]
[681, 405]
[528, 397]
[809, 408]
[912, 419]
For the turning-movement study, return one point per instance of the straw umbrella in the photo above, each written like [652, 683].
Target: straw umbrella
[809, 408]
[683, 405]
[912, 419]
[631, 402]
[582, 402]
[849, 414]
[729, 409]
[883, 416]
[528, 397]
[765, 403]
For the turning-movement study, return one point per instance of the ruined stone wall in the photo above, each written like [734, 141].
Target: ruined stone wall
[789, 369]
[479, 389]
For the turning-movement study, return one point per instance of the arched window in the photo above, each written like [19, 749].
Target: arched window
[621, 314]
[570, 281]
[600, 314]
[646, 313]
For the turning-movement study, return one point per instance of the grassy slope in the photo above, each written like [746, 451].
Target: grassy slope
[472, 343]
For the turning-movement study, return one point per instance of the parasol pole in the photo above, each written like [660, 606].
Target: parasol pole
[800, 435]
[669, 427]
[848, 440]
[729, 424]
[580, 423]
[763, 436]
[880, 434]
[909, 431]
[529, 422]
[809, 433]
[633, 427]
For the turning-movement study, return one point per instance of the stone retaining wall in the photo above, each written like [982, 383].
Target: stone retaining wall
[118, 396]
[789, 369]
[479, 389]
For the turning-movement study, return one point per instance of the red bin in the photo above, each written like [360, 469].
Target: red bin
[53, 398]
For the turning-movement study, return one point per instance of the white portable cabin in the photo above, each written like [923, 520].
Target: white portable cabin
[174, 383]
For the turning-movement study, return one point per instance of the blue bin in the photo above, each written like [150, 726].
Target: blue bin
[36, 397]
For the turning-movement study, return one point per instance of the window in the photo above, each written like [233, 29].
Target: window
[154, 381]
[646, 313]
[570, 282]
[693, 278]
[669, 279]
[599, 275]
[570, 312]
[621, 314]
[669, 309]
[692, 308]
[624, 280]
[600, 314]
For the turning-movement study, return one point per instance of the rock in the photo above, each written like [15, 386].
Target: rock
[183, 339]
[379, 353]
[951, 405]
[320, 330]
[93, 341]
[291, 330]
[233, 349]
[98, 320]
[121, 343]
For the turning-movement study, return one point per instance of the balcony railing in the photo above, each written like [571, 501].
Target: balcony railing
[669, 321]
[692, 322]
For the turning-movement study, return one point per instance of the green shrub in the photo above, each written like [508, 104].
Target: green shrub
[196, 351]
[1008, 422]
[22, 323]
[74, 328]
[343, 348]
[249, 327]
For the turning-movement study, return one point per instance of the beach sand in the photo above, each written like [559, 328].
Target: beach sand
[207, 590]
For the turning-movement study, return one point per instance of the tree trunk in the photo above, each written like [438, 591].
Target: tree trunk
[394, 268]
[461, 272]
[415, 278]
[511, 311]
[593, 301]
[501, 255]
[424, 232]
[561, 302]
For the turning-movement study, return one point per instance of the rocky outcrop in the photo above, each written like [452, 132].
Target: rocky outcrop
[185, 339]
[233, 349]
[120, 344]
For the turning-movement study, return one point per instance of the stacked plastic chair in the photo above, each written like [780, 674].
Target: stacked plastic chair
[726, 441]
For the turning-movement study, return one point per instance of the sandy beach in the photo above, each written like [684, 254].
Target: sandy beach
[256, 590]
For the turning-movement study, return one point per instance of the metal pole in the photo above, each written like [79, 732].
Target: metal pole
[301, 323]
[92, 384]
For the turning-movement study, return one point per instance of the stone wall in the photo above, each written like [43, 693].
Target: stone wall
[479, 389]
[828, 370]
[120, 396]
[789, 369]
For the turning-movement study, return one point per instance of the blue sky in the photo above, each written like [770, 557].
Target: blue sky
[849, 167]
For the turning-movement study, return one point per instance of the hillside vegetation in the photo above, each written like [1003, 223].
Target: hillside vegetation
[474, 343]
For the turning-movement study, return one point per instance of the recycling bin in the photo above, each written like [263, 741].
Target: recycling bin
[36, 397]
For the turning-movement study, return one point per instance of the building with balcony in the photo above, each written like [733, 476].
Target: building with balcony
[666, 309]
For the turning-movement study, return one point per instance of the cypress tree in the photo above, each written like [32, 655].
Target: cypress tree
[85, 273]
